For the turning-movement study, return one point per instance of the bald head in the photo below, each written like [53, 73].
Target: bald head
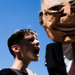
[46, 3]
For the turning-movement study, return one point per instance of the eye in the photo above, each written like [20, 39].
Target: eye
[73, 7]
[71, 1]
[56, 8]
[41, 14]
[31, 39]
[73, 4]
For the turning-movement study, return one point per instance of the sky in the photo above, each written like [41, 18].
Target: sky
[16, 15]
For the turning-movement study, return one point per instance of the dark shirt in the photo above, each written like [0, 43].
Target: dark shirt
[54, 59]
[9, 71]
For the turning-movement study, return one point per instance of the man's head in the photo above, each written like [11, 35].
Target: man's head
[57, 17]
[24, 43]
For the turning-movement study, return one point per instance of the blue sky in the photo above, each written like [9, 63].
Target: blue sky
[16, 15]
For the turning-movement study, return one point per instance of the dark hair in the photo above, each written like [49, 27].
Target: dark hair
[17, 37]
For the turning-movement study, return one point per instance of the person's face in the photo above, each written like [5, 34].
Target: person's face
[59, 20]
[30, 48]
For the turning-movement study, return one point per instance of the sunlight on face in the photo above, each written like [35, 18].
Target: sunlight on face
[30, 48]
[58, 20]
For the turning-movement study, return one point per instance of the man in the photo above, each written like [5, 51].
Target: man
[24, 46]
[57, 17]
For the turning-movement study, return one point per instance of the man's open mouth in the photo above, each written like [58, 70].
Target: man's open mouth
[65, 29]
[36, 50]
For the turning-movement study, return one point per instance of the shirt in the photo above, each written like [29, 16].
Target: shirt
[9, 71]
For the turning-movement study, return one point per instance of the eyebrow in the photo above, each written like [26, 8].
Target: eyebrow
[55, 3]
[70, 0]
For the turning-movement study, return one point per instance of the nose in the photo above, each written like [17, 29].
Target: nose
[67, 9]
[36, 42]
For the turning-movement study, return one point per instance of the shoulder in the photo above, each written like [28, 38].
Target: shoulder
[7, 71]
[30, 72]
[53, 44]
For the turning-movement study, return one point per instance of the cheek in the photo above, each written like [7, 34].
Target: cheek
[24, 49]
[50, 20]
[24, 53]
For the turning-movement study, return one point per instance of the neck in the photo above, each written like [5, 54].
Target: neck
[20, 65]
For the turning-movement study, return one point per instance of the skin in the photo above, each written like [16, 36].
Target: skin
[58, 18]
[26, 52]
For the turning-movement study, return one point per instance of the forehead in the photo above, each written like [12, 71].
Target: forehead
[29, 36]
[48, 3]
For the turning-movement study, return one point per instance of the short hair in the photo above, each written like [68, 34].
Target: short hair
[17, 37]
[42, 6]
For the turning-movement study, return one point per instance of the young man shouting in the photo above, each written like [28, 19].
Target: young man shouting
[24, 46]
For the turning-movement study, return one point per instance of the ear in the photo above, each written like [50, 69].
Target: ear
[41, 17]
[16, 48]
